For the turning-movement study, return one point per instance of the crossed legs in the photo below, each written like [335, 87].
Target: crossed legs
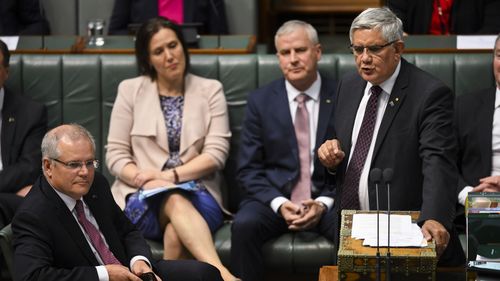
[187, 233]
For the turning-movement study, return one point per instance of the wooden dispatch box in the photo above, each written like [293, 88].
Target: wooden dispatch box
[356, 262]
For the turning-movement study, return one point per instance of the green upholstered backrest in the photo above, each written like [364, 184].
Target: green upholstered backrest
[6, 246]
[82, 88]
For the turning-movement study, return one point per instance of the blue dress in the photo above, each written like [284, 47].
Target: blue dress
[201, 199]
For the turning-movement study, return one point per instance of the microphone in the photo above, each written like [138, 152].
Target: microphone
[376, 177]
[387, 175]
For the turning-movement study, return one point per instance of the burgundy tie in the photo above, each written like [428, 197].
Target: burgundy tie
[95, 236]
[350, 189]
[302, 189]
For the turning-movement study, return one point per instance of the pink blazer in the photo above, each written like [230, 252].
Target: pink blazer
[137, 131]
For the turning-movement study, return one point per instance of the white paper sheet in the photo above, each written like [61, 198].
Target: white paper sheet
[404, 233]
[11, 41]
[476, 42]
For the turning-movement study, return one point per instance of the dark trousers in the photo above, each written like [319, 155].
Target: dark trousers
[253, 225]
[186, 270]
[454, 254]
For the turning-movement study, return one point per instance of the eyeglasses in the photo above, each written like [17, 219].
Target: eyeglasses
[78, 165]
[373, 49]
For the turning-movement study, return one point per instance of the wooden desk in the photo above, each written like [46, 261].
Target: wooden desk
[330, 273]
[209, 44]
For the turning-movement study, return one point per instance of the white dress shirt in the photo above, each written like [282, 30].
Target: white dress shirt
[495, 148]
[383, 99]
[102, 272]
[312, 105]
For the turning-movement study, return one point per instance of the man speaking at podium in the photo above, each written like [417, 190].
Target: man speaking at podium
[391, 114]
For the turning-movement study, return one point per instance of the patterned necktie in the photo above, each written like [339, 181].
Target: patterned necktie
[95, 236]
[302, 189]
[350, 189]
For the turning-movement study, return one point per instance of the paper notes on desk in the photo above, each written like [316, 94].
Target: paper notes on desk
[404, 233]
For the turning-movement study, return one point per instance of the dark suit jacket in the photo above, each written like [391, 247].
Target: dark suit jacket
[268, 164]
[22, 17]
[467, 17]
[415, 139]
[24, 123]
[211, 13]
[49, 244]
[474, 125]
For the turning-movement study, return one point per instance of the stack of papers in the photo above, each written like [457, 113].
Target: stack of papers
[404, 233]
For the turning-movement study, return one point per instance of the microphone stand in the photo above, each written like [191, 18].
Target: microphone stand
[375, 177]
[388, 178]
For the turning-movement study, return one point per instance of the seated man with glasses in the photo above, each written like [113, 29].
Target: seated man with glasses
[391, 114]
[70, 228]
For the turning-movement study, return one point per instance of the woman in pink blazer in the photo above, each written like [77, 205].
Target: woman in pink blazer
[169, 126]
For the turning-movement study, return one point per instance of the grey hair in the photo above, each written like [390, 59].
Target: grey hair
[292, 25]
[382, 19]
[71, 131]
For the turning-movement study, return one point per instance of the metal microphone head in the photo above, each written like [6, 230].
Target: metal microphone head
[376, 175]
[388, 172]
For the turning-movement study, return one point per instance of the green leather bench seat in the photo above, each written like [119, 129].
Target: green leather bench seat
[82, 89]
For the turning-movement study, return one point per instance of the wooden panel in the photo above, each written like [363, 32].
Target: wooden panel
[356, 261]
[325, 6]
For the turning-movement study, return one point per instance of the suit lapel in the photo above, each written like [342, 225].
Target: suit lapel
[326, 97]
[396, 99]
[193, 127]
[345, 111]
[66, 219]
[485, 126]
[280, 107]
[105, 224]
[9, 124]
[148, 116]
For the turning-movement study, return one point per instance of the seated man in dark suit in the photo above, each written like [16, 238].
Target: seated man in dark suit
[477, 122]
[285, 122]
[23, 123]
[22, 17]
[70, 228]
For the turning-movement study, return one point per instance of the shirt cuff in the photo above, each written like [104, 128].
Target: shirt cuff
[277, 202]
[102, 273]
[136, 258]
[328, 201]
[463, 194]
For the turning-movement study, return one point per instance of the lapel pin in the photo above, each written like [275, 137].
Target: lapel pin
[328, 101]
[392, 103]
[11, 119]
